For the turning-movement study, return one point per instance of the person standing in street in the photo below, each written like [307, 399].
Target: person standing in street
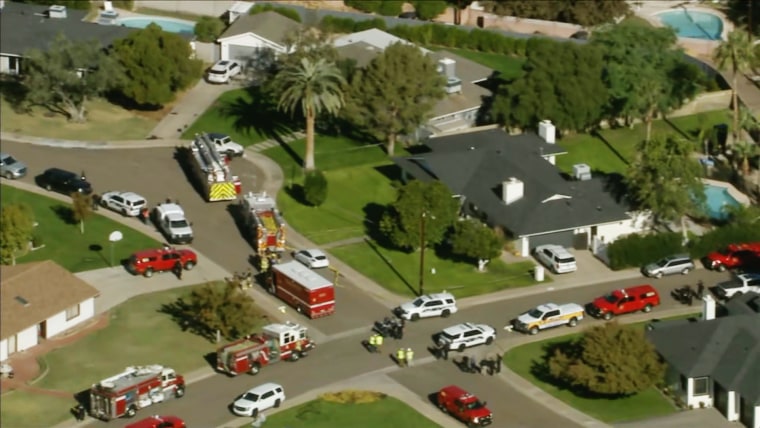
[444, 352]
[401, 357]
[498, 362]
[178, 269]
[409, 357]
[371, 346]
[378, 342]
[700, 289]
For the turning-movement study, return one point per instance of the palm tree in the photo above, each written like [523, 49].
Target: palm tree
[315, 87]
[744, 151]
[735, 53]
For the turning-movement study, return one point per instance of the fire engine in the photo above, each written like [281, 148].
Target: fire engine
[212, 171]
[277, 342]
[266, 227]
[133, 389]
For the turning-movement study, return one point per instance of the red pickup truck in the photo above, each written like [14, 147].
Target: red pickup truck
[464, 406]
[146, 262]
[734, 256]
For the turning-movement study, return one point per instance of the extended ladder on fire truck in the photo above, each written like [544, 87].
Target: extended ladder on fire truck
[214, 173]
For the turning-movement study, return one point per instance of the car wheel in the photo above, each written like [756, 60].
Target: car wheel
[124, 212]
[607, 316]
[721, 268]
[255, 369]
[415, 317]
[573, 322]
[658, 275]
[533, 331]
[647, 308]
[254, 412]
[489, 340]
[103, 203]
[685, 271]
[461, 348]
[131, 412]
[443, 408]
[148, 272]
[48, 187]
[445, 313]
[295, 356]
[9, 176]
[179, 392]
[189, 265]
[277, 403]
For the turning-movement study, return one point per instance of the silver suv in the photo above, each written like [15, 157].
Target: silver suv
[670, 265]
[10, 168]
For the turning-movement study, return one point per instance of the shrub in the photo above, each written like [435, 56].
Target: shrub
[284, 11]
[390, 8]
[37, 240]
[369, 6]
[721, 237]
[315, 188]
[637, 250]
[367, 24]
[208, 29]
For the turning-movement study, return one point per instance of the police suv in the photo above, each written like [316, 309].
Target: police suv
[465, 335]
[429, 305]
[548, 315]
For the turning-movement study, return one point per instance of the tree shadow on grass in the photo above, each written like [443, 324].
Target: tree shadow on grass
[599, 135]
[257, 114]
[64, 213]
[15, 93]
[238, 214]
[373, 214]
[181, 312]
[388, 263]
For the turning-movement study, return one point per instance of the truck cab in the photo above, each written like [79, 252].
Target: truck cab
[170, 219]
[638, 298]
[464, 406]
[734, 256]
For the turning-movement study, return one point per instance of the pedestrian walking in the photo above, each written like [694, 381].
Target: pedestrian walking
[400, 333]
[409, 357]
[444, 352]
[401, 357]
[178, 270]
[498, 363]
[700, 289]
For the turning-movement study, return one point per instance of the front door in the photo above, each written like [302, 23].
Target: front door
[42, 329]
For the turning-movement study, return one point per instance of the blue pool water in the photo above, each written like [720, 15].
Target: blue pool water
[717, 199]
[170, 25]
[695, 25]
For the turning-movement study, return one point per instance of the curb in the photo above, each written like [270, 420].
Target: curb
[95, 145]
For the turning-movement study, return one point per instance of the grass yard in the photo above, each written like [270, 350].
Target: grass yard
[399, 272]
[329, 153]
[610, 150]
[508, 67]
[352, 192]
[21, 409]
[105, 121]
[64, 243]
[386, 412]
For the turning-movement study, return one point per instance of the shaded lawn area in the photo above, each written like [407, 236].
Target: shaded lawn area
[611, 149]
[63, 241]
[508, 67]
[245, 115]
[105, 121]
[399, 272]
[352, 194]
[386, 412]
[22, 409]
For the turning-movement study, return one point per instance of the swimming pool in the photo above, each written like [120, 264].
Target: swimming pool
[170, 25]
[692, 24]
[717, 199]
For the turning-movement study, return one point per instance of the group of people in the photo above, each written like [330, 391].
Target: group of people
[375, 342]
[404, 357]
[491, 366]
[393, 327]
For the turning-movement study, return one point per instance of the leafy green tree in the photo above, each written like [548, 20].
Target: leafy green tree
[208, 29]
[70, 4]
[429, 9]
[403, 221]
[475, 240]
[284, 11]
[315, 188]
[735, 53]
[157, 65]
[744, 151]
[610, 360]
[220, 309]
[81, 208]
[311, 88]
[381, 7]
[67, 75]
[16, 226]
[665, 179]
[394, 94]
[308, 43]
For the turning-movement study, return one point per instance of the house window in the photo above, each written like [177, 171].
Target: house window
[72, 312]
[701, 386]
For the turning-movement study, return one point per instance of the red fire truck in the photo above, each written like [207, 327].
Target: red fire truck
[277, 342]
[267, 228]
[133, 389]
[303, 289]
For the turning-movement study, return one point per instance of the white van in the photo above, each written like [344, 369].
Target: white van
[556, 258]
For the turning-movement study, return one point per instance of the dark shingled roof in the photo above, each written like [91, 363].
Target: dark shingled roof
[475, 164]
[26, 26]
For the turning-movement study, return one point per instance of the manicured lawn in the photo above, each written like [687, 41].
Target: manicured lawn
[611, 149]
[350, 192]
[105, 122]
[21, 409]
[242, 115]
[508, 67]
[64, 243]
[386, 412]
[399, 272]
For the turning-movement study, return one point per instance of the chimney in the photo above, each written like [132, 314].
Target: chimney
[546, 131]
[581, 172]
[708, 308]
[447, 68]
[56, 11]
[512, 190]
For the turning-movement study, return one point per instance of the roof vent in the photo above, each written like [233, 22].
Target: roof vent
[582, 172]
[23, 301]
[547, 131]
[447, 67]
[57, 11]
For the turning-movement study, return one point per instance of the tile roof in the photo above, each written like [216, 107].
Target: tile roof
[47, 287]
[269, 25]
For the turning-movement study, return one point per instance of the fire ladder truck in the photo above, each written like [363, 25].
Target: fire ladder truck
[266, 226]
[133, 389]
[212, 170]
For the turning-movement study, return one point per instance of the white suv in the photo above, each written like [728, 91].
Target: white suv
[127, 203]
[465, 335]
[223, 71]
[556, 258]
[259, 399]
[429, 305]
[744, 283]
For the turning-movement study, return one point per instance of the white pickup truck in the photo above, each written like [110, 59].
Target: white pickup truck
[170, 219]
[547, 316]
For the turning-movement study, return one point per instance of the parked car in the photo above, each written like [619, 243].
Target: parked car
[556, 258]
[313, 258]
[428, 305]
[464, 406]
[223, 71]
[170, 220]
[637, 298]
[146, 262]
[670, 265]
[734, 256]
[258, 399]
[743, 283]
[225, 145]
[127, 203]
[465, 335]
[548, 315]
[63, 181]
[10, 168]
[158, 422]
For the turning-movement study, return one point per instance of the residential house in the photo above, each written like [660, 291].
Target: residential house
[29, 26]
[715, 361]
[40, 300]
[458, 110]
[252, 38]
[510, 181]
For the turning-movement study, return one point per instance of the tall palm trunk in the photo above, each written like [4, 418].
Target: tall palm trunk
[735, 102]
[308, 162]
[391, 144]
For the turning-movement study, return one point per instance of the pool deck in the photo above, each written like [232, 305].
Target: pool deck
[736, 194]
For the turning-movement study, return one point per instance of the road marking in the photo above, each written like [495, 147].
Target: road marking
[549, 288]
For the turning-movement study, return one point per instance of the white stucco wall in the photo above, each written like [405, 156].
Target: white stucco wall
[249, 40]
[639, 222]
[756, 423]
[3, 350]
[26, 339]
[57, 323]
[732, 406]
[698, 401]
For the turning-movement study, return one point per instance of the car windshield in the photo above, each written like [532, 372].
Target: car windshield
[418, 302]
[474, 405]
[448, 336]
[250, 396]
[610, 298]
[9, 160]
[535, 313]
[178, 224]
[320, 257]
[662, 262]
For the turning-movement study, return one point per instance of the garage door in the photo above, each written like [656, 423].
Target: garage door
[567, 239]
[242, 54]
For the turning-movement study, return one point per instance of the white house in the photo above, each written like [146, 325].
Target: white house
[38, 301]
[253, 36]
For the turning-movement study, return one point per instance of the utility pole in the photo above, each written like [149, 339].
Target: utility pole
[422, 254]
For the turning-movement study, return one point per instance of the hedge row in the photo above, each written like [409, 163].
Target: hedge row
[432, 34]
[380, 7]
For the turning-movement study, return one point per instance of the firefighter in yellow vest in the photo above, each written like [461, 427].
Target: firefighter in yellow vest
[409, 357]
[378, 342]
[264, 263]
[401, 357]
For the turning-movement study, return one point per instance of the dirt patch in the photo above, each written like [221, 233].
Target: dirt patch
[353, 397]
